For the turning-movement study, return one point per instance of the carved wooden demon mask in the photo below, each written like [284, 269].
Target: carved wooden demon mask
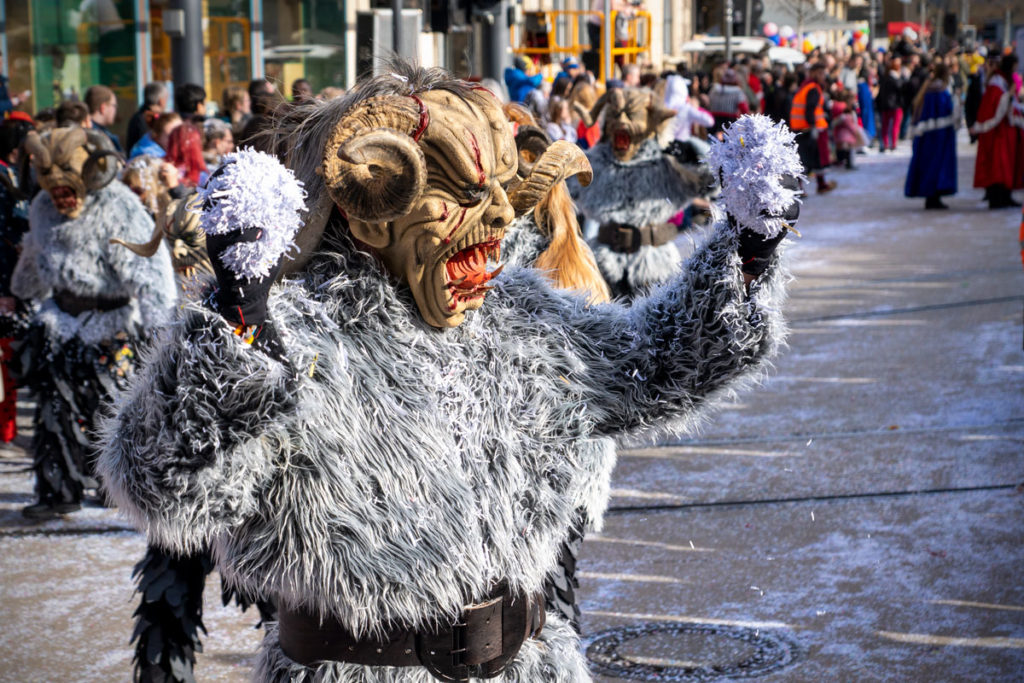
[430, 181]
[70, 162]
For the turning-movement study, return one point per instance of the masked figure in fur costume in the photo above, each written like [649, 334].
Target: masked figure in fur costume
[98, 301]
[637, 188]
[396, 454]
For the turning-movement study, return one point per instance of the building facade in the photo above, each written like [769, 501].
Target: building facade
[58, 48]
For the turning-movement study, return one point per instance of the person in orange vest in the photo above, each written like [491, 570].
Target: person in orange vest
[807, 120]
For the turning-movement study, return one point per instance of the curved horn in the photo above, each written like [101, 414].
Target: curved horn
[373, 167]
[98, 171]
[65, 140]
[40, 152]
[531, 142]
[97, 139]
[658, 116]
[146, 249]
[562, 160]
[590, 116]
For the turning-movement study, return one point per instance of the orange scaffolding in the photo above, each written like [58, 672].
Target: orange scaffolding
[545, 44]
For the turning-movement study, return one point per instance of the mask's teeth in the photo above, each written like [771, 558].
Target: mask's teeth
[494, 273]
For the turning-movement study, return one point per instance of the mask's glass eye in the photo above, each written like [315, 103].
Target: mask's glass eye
[473, 195]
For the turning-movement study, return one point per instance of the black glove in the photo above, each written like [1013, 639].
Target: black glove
[241, 301]
[755, 249]
[684, 152]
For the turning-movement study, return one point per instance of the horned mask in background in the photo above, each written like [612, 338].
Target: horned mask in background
[631, 116]
[70, 162]
[430, 182]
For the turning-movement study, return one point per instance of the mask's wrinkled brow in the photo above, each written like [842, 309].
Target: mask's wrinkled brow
[461, 156]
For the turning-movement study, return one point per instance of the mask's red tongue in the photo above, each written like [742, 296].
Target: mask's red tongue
[470, 264]
[64, 197]
[467, 271]
[621, 140]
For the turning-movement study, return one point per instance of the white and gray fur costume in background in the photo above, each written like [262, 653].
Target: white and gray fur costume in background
[72, 362]
[649, 189]
[74, 255]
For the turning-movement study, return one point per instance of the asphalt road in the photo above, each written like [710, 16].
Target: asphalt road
[857, 518]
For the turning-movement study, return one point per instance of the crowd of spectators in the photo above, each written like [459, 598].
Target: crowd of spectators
[841, 103]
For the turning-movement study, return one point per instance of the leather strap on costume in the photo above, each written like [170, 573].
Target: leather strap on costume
[629, 238]
[74, 304]
[480, 645]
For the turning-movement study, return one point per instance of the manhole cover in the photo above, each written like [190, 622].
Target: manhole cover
[689, 652]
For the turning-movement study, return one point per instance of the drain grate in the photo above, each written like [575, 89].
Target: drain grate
[689, 652]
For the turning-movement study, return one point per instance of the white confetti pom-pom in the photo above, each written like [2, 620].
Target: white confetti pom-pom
[751, 162]
[253, 190]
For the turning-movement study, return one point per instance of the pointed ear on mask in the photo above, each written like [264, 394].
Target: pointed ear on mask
[376, 235]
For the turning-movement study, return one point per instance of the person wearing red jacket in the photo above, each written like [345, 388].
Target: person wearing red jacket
[999, 166]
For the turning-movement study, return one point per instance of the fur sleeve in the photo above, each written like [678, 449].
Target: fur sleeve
[28, 280]
[692, 342]
[189, 444]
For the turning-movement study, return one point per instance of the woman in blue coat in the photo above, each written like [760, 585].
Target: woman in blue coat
[932, 172]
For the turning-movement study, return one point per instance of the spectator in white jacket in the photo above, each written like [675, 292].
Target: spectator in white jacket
[688, 114]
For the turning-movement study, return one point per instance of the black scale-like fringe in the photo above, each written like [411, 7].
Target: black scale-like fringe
[561, 585]
[170, 614]
[70, 381]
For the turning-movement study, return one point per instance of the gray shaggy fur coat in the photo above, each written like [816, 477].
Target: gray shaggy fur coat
[522, 246]
[395, 472]
[75, 254]
[647, 190]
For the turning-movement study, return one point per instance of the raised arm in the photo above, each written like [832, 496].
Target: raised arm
[194, 439]
[689, 344]
[718, 324]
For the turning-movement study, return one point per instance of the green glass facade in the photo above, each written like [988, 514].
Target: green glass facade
[58, 48]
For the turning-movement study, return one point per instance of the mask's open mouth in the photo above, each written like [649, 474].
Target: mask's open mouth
[64, 198]
[467, 274]
[621, 140]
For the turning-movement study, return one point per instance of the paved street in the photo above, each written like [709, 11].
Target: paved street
[858, 518]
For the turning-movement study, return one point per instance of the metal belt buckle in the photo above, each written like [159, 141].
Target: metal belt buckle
[476, 645]
[624, 238]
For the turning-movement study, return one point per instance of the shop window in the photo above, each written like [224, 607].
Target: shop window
[58, 48]
[304, 39]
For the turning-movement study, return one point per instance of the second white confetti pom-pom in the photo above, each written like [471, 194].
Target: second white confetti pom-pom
[253, 190]
[751, 162]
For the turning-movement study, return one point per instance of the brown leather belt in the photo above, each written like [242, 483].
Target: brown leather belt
[480, 645]
[74, 304]
[629, 238]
